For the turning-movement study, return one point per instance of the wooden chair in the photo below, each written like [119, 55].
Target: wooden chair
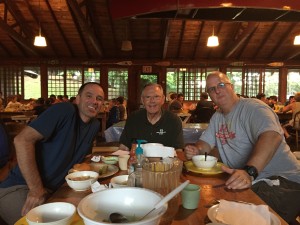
[296, 128]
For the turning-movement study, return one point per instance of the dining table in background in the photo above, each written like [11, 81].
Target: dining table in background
[284, 117]
[212, 188]
[191, 132]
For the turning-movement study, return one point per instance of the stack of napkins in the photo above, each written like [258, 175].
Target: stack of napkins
[235, 213]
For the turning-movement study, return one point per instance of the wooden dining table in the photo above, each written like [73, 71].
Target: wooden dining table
[212, 189]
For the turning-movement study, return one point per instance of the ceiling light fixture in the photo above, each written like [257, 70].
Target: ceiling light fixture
[126, 44]
[297, 40]
[213, 40]
[40, 40]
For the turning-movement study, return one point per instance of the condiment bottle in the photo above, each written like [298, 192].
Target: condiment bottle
[132, 160]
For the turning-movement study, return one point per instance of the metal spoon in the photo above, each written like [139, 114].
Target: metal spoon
[119, 218]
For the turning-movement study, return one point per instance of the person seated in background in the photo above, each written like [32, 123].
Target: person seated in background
[204, 109]
[262, 97]
[272, 101]
[152, 123]
[294, 107]
[65, 98]
[73, 100]
[39, 106]
[177, 104]
[47, 149]
[291, 100]
[13, 105]
[249, 138]
[113, 114]
[122, 108]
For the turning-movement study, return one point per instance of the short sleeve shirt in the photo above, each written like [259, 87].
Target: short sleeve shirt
[67, 140]
[167, 131]
[236, 133]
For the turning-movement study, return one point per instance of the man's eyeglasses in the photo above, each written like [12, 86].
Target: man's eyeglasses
[220, 85]
[155, 98]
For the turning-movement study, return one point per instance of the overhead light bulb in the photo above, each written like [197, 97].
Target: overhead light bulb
[213, 40]
[297, 40]
[126, 46]
[40, 41]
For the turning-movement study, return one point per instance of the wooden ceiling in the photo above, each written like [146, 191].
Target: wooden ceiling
[165, 32]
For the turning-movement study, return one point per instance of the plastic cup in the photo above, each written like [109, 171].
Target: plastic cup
[190, 196]
[123, 160]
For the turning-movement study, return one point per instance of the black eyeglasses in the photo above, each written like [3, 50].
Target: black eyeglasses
[220, 85]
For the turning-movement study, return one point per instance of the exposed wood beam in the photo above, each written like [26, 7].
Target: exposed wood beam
[201, 23]
[19, 18]
[264, 41]
[282, 39]
[166, 39]
[84, 26]
[13, 34]
[243, 37]
[183, 23]
[60, 29]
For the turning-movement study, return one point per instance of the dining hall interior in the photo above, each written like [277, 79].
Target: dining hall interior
[50, 47]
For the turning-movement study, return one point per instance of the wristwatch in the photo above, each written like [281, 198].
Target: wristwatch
[251, 170]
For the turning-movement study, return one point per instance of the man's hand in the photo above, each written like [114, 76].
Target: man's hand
[190, 151]
[34, 198]
[239, 179]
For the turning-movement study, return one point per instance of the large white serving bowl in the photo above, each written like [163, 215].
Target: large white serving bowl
[81, 185]
[132, 202]
[55, 213]
[200, 162]
[119, 181]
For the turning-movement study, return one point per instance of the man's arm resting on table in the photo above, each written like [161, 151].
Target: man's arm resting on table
[25, 150]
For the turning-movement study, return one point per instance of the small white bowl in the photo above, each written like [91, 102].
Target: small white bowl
[81, 180]
[119, 181]
[55, 213]
[199, 161]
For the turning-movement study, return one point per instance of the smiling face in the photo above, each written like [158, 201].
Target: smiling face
[89, 101]
[153, 98]
[221, 91]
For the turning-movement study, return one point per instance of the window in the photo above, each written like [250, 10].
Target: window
[32, 82]
[188, 81]
[55, 81]
[271, 84]
[117, 83]
[236, 78]
[293, 82]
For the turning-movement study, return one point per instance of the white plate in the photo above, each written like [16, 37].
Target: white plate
[212, 211]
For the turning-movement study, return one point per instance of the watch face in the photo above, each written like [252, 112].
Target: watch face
[252, 171]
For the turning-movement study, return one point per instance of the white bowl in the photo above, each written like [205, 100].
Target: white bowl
[56, 213]
[132, 202]
[81, 180]
[199, 161]
[119, 181]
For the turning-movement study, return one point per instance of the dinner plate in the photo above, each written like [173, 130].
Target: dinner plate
[75, 221]
[189, 165]
[212, 211]
[111, 170]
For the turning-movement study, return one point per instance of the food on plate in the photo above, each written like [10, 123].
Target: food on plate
[80, 178]
[82, 167]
